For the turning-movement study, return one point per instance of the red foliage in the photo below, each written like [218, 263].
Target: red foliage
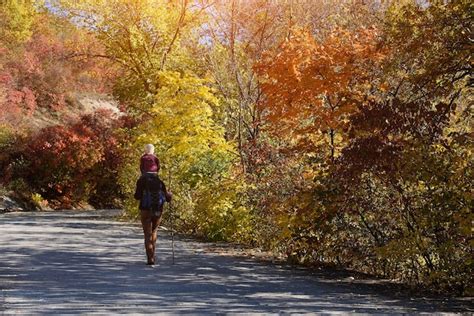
[52, 64]
[69, 164]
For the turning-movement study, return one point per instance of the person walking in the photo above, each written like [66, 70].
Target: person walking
[152, 193]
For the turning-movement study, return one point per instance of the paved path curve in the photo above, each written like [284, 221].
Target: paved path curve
[83, 263]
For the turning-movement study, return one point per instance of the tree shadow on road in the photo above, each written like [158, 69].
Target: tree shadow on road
[85, 266]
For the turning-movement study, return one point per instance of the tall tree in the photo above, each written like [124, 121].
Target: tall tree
[314, 87]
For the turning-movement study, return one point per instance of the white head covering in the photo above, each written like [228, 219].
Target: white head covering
[149, 149]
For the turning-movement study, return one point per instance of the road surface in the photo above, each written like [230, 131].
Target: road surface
[85, 263]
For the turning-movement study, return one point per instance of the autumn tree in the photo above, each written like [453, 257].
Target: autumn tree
[412, 137]
[167, 92]
[313, 88]
[402, 120]
[17, 18]
[38, 68]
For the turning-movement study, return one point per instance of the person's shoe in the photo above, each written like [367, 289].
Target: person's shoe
[150, 262]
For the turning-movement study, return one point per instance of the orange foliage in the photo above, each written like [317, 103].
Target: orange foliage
[313, 86]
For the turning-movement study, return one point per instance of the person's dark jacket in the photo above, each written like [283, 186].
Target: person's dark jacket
[154, 184]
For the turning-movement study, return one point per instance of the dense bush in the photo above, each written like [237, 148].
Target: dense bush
[72, 164]
[389, 150]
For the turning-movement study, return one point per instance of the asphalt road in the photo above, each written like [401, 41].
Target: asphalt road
[85, 263]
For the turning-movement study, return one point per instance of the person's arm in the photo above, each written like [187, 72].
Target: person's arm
[138, 190]
[168, 195]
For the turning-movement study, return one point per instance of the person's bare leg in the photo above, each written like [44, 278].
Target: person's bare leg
[146, 220]
[155, 222]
